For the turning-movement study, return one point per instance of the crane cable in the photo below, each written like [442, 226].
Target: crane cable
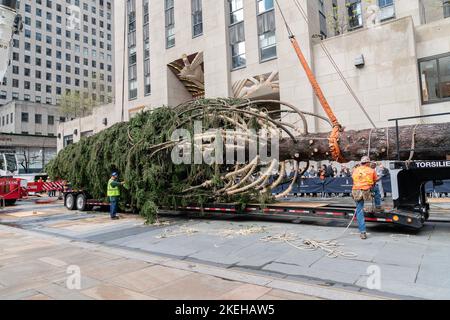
[338, 70]
[333, 139]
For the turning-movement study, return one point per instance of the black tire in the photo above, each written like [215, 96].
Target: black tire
[81, 203]
[70, 201]
[10, 202]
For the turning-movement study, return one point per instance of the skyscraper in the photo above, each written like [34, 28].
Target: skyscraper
[64, 45]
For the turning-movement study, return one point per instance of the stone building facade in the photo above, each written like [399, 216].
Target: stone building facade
[395, 55]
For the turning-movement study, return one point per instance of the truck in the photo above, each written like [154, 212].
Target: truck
[11, 187]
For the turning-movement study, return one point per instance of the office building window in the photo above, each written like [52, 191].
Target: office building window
[50, 120]
[387, 9]
[354, 10]
[435, 78]
[24, 117]
[170, 23]
[68, 140]
[446, 8]
[132, 56]
[38, 118]
[266, 30]
[237, 34]
[147, 85]
[236, 11]
[197, 18]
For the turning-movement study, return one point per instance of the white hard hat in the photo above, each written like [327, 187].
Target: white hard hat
[365, 159]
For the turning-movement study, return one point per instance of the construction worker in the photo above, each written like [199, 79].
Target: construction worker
[364, 179]
[113, 194]
[376, 190]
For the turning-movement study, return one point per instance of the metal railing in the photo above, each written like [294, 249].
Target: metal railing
[397, 132]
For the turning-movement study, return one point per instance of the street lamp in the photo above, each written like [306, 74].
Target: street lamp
[10, 23]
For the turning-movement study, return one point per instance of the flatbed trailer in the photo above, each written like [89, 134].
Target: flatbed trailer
[294, 211]
[410, 206]
[302, 211]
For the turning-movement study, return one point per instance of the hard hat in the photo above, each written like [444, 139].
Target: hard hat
[114, 174]
[365, 159]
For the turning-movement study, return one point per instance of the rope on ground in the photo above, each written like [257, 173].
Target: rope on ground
[243, 232]
[397, 237]
[183, 230]
[330, 247]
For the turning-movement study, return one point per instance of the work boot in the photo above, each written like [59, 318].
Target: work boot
[115, 218]
[363, 235]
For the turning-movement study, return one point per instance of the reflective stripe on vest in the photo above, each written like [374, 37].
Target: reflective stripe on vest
[363, 178]
[112, 191]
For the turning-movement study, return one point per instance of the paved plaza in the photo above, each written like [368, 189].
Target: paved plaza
[185, 258]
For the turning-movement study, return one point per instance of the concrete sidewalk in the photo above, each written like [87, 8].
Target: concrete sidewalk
[37, 266]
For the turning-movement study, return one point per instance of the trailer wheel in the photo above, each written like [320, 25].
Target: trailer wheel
[82, 203]
[70, 201]
[10, 202]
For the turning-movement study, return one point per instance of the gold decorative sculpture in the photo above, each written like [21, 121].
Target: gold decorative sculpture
[189, 69]
[257, 86]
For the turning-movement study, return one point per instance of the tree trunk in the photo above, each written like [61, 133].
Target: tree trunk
[430, 142]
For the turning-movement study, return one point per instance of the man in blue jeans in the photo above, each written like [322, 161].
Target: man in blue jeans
[376, 190]
[113, 194]
[364, 179]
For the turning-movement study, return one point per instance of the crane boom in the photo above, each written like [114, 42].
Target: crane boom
[337, 128]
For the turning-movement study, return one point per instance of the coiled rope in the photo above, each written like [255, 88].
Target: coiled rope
[331, 247]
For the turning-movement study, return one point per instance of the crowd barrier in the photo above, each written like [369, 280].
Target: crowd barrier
[344, 185]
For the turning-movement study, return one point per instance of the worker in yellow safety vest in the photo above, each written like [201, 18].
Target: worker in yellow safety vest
[364, 179]
[113, 193]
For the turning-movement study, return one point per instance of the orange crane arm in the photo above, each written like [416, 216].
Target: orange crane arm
[337, 128]
[315, 85]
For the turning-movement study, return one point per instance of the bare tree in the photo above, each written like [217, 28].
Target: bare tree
[26, 162]
[81, 103]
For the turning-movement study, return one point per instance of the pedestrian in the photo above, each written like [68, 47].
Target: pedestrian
[376, 190]
[345, 172]
[323, 172]
[364, 179]
[329, 171]
[335, 172]
[312, 173]
[49, 185]
[113, 193]
[382, 172]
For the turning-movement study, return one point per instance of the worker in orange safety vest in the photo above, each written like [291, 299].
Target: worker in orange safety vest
[364, 179]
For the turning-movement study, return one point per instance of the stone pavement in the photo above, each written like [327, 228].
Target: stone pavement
[411, 264]
[36, 267]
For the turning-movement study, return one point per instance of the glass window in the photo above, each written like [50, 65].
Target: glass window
[197, 17]
[266, 35]
[435, 79]
[446, 8]
[444, 77]
[237, 42]
[24, 117]
[236, 11]
[264, 5]
[354, 14]
[170, 23]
